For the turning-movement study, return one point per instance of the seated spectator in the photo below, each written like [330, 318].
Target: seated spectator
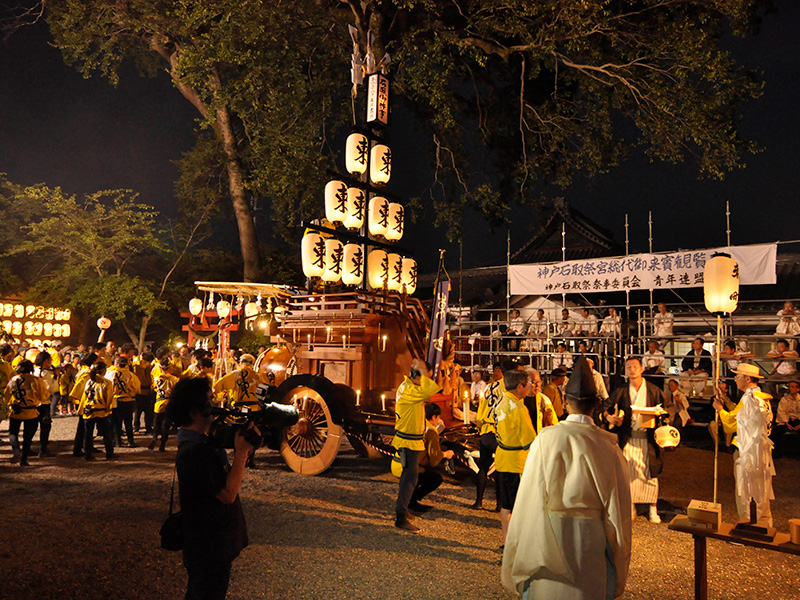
[696, 368]
[788, 323]
[537, 332]
[784, 365]
[611, 324]
[516, 328]
[566, 327]
[477, 387]
[788, 418]
[724, 398]
[733, 357]
[562, 358]
[654, 364]
[663, 322]
[587, 325]
[679, 411]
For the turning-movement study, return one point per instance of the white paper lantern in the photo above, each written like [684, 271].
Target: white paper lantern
[336, 201]
[195, 306]
[313, 253]
[356, 153]
[380, 164]
[356, 208]
[223, 309]
[353, 265]
[396, 214]
[250, 309]
[395, 282]
[377, 269]
[378, 216]
[333, 260]
[103, 323]
[410, 275]
[721, 284]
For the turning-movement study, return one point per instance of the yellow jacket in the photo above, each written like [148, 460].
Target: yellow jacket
[25, 392]
[96, 401]
[6, 373]
[163, 385]
[240, 387]
[142, 369]
[492, 395]
[76, 393]
[409, 411]
[126, 384]
[515, 434]
[67, 379]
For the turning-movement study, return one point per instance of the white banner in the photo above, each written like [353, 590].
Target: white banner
[640, 271]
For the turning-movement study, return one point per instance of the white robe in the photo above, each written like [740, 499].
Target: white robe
[572, 513]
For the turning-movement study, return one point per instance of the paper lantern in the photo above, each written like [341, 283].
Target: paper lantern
[251, 309]
[410, 275]
[353, 265]
[721, 284]
[103, 323]
[336, 201]
[395, 282]
[333, 260]
[355, 153]
[380, 164]
[377, 269]
[313, 253]
[395, 229]
[223, 309]
[378, 216]
[356, 208]
[195, 306]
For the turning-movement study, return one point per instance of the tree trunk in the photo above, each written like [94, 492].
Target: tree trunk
[241, 207]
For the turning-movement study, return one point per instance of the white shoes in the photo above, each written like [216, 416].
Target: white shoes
[653, 516]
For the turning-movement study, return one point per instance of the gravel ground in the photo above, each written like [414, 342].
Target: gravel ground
[78, 530]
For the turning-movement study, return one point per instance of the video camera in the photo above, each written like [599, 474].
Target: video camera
[271, 420]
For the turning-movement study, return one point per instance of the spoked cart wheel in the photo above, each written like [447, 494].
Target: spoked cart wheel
[310, 446]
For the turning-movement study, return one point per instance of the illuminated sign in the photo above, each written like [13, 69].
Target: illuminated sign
[378, 99]
[29, 322]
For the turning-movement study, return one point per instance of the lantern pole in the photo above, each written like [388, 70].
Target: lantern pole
[716, 414]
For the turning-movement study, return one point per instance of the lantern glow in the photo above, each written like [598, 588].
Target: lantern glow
[721, 284]
[223, 309]
[352, 265]
[195, 306]
[378, 269]
[313, 252]
[355, 154]
[410, 275]
[394, 230]
[336, 201]
[378, 216]
[333, 260]
[380, 164]
[395, 281]
[356, 208]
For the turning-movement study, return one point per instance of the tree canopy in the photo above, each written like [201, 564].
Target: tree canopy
[513, 96]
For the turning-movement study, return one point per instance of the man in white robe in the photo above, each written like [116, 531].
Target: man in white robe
[570, 533]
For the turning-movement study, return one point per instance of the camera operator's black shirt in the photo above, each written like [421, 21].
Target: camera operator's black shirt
[213, 530]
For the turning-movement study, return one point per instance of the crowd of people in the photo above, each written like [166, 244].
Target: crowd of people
[116, 392]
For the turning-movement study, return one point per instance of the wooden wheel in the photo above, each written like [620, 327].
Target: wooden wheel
[310, 446]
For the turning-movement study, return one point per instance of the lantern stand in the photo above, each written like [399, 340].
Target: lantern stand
[721, 294]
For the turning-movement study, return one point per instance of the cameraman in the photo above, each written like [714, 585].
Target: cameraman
[214, 528]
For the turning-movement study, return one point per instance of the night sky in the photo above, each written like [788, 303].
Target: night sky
[84, 135]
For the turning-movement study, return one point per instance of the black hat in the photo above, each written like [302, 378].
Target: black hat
[581, 384]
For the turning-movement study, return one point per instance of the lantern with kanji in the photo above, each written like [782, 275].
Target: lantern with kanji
[313, 252]
[394, 231]
[395, 281]
[333, 260]
[410, 275]
[378, 216]
[352, 265]
[356, 208]
[378, 269]
[336, 201]
[380, 164]
[721, 284]
[356, 153]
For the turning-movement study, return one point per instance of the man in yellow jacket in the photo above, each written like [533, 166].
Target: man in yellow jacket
[240, 385]
[126, 387]
[409, 432]
[515, 434]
